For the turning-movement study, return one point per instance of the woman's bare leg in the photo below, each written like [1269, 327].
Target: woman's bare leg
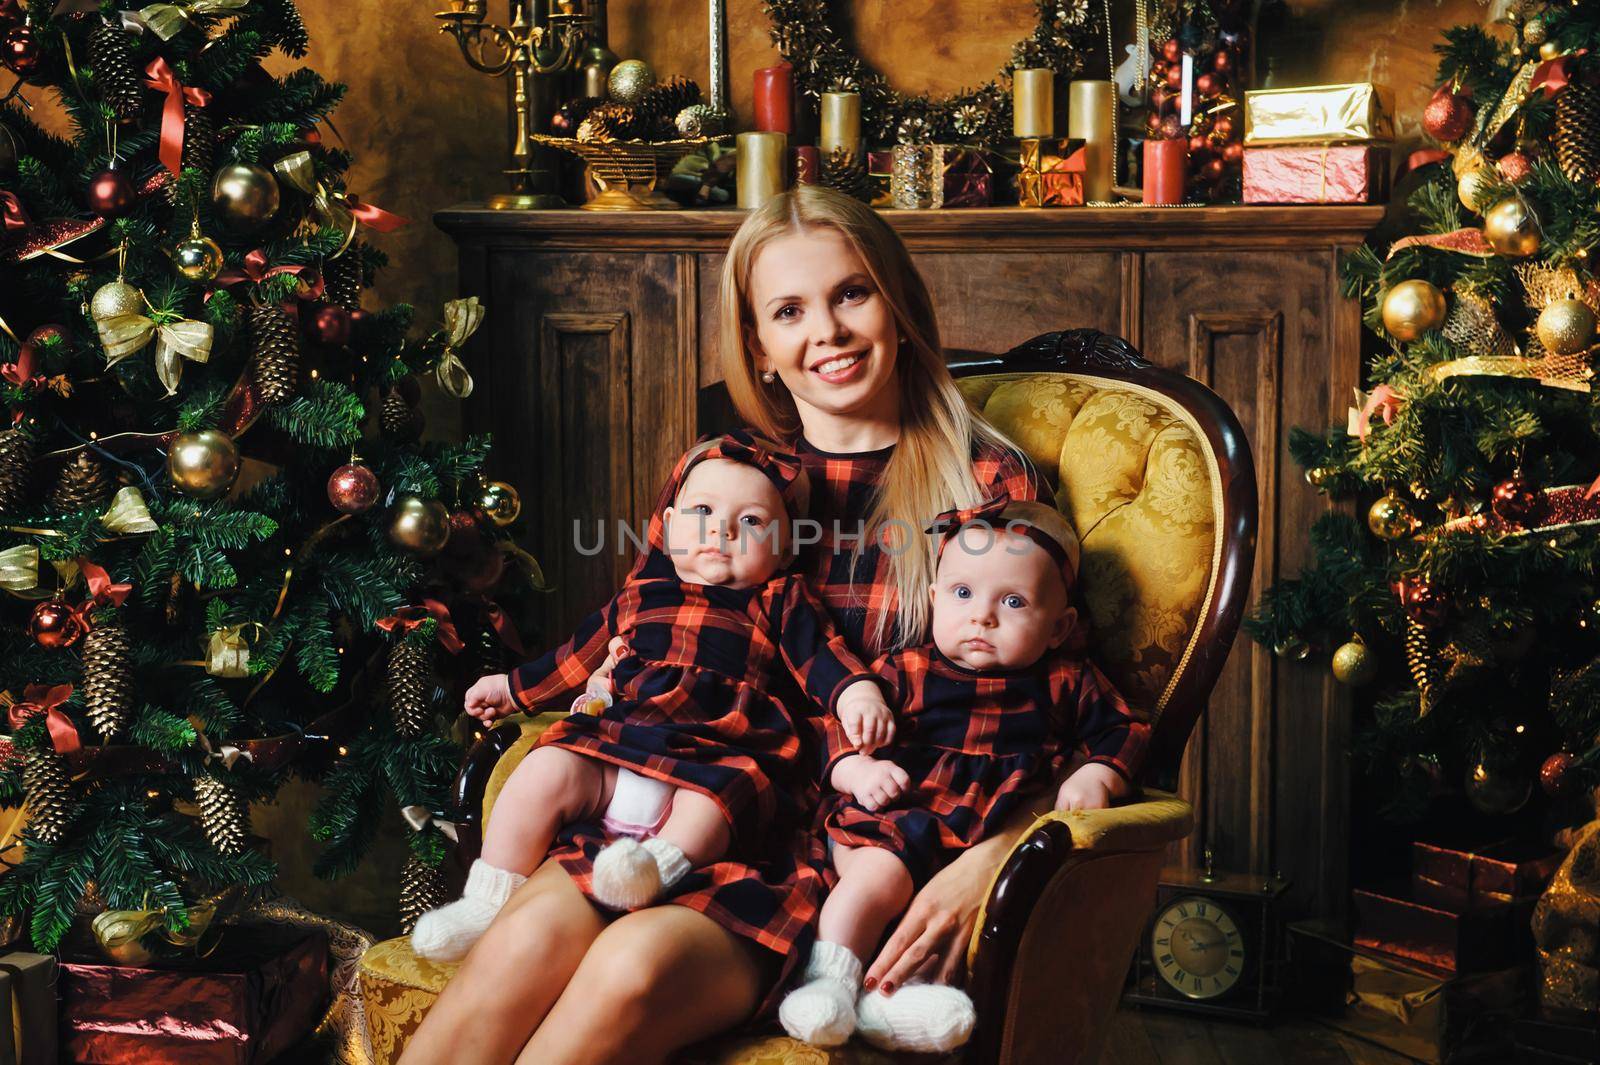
[654, 982]
[509, 981]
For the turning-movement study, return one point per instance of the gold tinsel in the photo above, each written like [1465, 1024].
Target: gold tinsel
[1473, 328]
[107, 678]
[422, 888]
[49, 795]
[224, 816]
[409, 678]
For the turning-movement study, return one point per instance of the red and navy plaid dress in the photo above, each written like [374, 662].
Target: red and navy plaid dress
[692, 703]
[973, 742]
[771, 892]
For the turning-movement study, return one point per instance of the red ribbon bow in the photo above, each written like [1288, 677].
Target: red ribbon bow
[780, 467]
[409, 617]
[11, 209]
[41, 699]
[101, 588]
[504, 628]
[159, 76]
[952, 521]
[256, 270]
[22, 372]
[370, 214]
[1384, 400]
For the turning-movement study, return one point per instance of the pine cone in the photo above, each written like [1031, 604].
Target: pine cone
[700, 120]
[49, 795]
[107, 678]
[84, 483]
[111, 57]
[658, 111]
[398, 417]
[1425, 666]
[16, 463]
[611, 122]
[224, 816]
[1578, 132]
[421, 889]
[914, 129]
[409, 683]
[275, 360]
[844, 171]
[341, 279]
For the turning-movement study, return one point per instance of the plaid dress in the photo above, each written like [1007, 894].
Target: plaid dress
[771, 891]
[692, 704]
[972, 742]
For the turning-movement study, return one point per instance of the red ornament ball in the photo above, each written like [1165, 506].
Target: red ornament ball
[1517, 501]
[110, 194]
[1172, 51]
[330, 325]
[1160, 98]
[1171, 128]
[1207, 85]
[478, 571]
[1514, 167]
[49, 333]
[1232, 152]
[1224, 126]
[1222, 62]
[353, 488]
[1174, 77]
[1152, 124]
[1213, 169]
[1448, 115]
[1419, 601]
[53, 624]
[20, 51]
[1198, 143]
[312, 136]
[1553, 775]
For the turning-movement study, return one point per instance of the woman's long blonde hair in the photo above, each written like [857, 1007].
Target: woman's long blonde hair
[931, 468]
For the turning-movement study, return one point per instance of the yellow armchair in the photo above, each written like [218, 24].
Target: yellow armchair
[1155, 474]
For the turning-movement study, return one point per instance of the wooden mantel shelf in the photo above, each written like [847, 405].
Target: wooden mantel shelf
[995, 228]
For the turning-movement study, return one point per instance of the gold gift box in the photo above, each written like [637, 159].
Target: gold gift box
[1319, 114]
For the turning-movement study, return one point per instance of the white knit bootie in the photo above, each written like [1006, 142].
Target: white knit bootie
[446, 934]
[629, 874]
[926, 1018]
[822, 1010]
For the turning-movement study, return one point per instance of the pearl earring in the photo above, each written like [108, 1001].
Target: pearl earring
[768, 376]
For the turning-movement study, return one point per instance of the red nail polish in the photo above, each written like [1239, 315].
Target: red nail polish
[870, 982]
[888, 988]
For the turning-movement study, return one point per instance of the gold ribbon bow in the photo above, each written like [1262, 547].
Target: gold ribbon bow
[461, 319]
[419, 817]
[228, 652]
[298, 170]
[126, 334]
[19, 568]
[167, 20]
[120, 933]
[227, 754]
[128, 512]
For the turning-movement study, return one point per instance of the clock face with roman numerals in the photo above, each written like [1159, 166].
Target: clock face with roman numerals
[1197, 948]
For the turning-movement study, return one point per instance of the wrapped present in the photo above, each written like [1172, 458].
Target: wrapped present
[1500, 874]
[260, 993]
[968, 176]
[1422, 1012]
[1473, 941]
[1050, 173]
[28, 1027]
[1319, 114]
[1353, 173]
[880, 171]
[805, 163]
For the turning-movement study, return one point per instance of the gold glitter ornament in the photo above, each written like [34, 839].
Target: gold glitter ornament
[1471, 185]
[1412, 308]
[1566, 326]
[629, 80]
[115, 299]
[1354, 664]
[1512, 228]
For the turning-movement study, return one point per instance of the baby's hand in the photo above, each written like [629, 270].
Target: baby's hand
[601, 677]
[489, 698]
[872, 782]
[1092, 787]
[868, 722]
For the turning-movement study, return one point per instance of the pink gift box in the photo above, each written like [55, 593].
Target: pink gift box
[1347, 173]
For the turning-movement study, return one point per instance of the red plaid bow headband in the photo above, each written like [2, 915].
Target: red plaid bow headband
[1001, 514]
[780, 467]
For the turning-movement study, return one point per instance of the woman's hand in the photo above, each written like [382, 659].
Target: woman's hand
[489, 698]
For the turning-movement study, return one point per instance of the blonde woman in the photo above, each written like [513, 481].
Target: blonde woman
[830, 345]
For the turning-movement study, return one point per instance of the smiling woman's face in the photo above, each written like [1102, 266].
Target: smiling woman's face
[824, 327]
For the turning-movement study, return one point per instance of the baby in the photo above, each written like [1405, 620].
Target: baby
[685, 756]
[990, 708]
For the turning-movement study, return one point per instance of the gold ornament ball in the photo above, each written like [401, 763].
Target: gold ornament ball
[1318, 476]
[245, 196]
[419, 526]
[203, 464]
[1294, 648]
[1354, 664]
[1390, 518]
[1411, 309]
[628, 81]
[1535, 32]
[198, 258]
[114, 300]
[1512, 228]
[1472, 183]
[501, 502]
[1566, 326]
[1549, 50]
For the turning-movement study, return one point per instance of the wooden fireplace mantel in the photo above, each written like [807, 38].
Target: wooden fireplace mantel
[597, 365]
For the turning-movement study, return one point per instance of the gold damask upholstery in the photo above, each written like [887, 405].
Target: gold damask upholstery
[1133, 470]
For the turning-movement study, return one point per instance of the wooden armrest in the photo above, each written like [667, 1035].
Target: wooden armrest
[473, 781]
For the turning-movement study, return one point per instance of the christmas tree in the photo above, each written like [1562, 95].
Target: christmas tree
[1459, 588]
[226, 553]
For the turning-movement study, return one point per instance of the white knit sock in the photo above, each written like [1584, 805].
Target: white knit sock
[822, 1010]
[629, 874]
[446, 934]
[926, 1018]
[671, 863]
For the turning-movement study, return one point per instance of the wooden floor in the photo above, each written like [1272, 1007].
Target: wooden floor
[1153, 1037]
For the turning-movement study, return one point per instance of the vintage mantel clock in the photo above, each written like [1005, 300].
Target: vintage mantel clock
[1214, 945]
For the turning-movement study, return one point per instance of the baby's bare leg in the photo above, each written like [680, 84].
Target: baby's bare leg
[629, 874]
[874, 888]
[549, 789]
[696, 826]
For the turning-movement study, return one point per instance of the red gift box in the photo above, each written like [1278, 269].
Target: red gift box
[1061, 179]
[1472, 942]
[880, 170]
[968, 177]
[256, 996]
[1499, 874]
[1348, 173]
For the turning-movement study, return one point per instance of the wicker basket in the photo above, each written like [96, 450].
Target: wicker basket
[627, 172]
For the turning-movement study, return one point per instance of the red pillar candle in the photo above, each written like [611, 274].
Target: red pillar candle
[1165, 162]
[774, 104]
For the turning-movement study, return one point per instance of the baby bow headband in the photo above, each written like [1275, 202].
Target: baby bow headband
[1002, 514]
[780, 467]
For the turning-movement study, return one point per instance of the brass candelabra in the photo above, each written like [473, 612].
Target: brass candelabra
[527, 47]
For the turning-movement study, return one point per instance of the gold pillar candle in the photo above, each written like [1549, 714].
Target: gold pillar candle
[841, 122]
[760, 167]
[1033, 102]
[1090, 119]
